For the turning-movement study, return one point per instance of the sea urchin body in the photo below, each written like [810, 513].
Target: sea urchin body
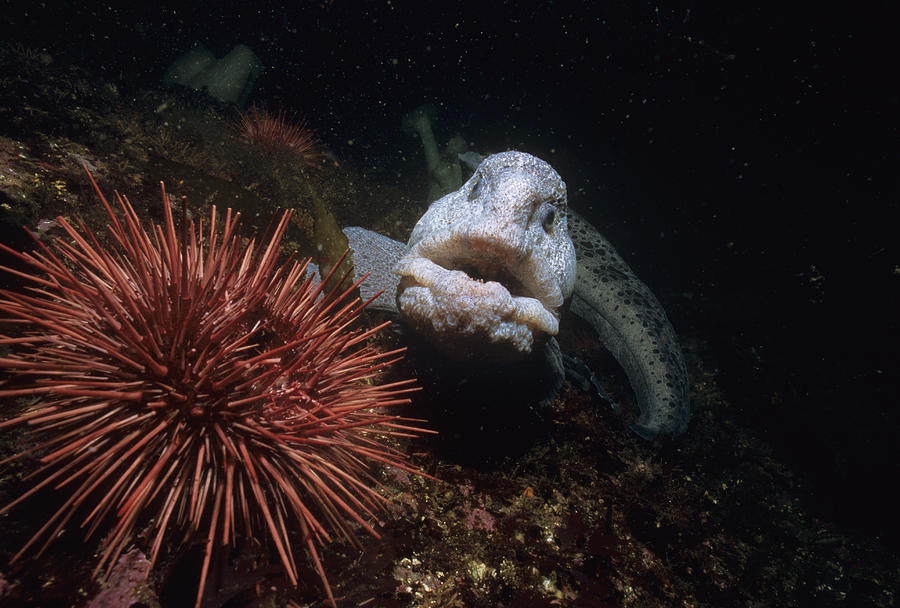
[275, 136]
[189, 381]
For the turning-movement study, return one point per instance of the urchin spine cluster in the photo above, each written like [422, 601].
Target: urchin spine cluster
[276, 136]
[189, 380]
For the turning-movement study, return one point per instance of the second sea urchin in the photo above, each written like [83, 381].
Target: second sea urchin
[277, 137]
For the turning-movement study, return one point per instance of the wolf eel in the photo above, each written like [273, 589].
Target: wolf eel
[487, 272]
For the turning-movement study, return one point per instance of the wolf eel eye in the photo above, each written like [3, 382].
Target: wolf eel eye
[476, 188]
[547, 214]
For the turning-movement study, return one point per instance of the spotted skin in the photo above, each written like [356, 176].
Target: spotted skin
[632, 324]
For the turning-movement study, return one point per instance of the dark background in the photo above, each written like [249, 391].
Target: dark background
[743, 160]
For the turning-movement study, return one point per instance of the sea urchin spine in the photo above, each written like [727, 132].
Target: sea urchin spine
[189, 381]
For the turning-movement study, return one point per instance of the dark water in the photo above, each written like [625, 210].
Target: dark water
[743, 160]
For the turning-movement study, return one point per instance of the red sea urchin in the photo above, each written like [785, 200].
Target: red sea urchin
[277, 137]
[189, 381]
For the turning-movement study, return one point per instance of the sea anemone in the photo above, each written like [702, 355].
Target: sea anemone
[277, 137]
[188, 380]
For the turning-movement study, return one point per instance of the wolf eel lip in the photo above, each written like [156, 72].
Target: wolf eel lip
[474, 284]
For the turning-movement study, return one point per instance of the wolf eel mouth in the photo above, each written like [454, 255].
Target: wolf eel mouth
[479, 295]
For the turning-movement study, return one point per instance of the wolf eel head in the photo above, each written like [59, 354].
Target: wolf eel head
[489, 266]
